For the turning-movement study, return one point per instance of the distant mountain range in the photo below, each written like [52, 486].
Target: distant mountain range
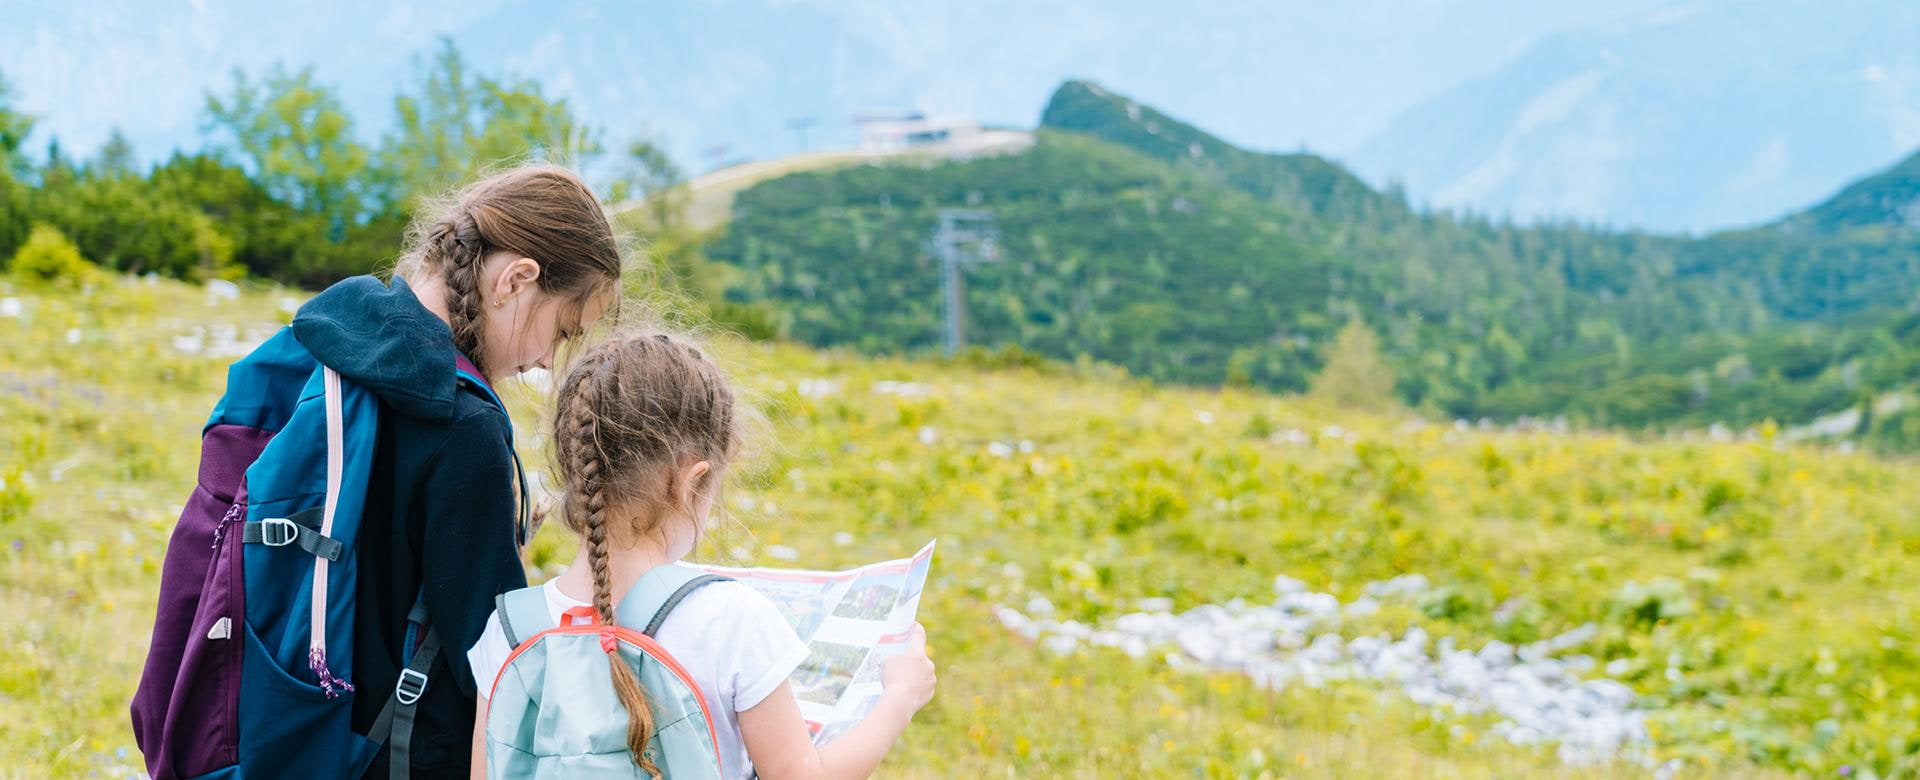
[1697, 114]
[1138, 239]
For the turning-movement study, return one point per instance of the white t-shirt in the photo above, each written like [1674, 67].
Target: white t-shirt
[728, 636]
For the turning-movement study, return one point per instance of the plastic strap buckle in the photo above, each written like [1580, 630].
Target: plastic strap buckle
[411, 686]
[278, 532]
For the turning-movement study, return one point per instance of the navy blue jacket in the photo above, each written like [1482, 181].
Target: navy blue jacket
[441, 507]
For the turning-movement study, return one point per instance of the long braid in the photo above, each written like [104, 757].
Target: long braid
[589, 500]
[459, 251]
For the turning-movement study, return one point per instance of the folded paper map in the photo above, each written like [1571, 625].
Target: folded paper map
[852, 620]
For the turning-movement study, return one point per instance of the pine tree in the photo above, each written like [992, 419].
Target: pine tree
[1353, 375]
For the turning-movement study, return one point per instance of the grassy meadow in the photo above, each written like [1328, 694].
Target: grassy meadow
[1760, 598]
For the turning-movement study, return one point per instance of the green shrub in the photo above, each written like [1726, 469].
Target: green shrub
[15, 497]
[48, 258]
[1647, 604]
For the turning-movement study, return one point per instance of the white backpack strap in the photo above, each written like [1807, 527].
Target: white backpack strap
[336, 457]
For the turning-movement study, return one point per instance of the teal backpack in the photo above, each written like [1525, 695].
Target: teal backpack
[553, 712]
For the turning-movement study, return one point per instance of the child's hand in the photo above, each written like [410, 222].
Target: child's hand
[909, 676]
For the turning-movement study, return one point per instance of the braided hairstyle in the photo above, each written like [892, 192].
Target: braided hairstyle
[631, 414]
[543, 212]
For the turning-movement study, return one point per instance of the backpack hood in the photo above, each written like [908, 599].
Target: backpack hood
[382, 338]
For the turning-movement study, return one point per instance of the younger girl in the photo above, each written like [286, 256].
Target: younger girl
[645, 429]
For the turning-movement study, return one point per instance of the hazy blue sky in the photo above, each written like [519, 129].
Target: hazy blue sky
[1663, 114]
[699, 72]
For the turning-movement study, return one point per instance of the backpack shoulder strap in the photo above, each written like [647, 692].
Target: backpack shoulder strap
[465, 370]
[394, 727]
[523, 613]
[647, 605]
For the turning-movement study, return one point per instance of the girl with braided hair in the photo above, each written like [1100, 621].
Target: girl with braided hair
[645, 429]
[492, 282]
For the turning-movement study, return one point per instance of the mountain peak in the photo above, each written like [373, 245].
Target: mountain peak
[1302, 180]
[1888, 199]
[1666, 121]
[1086, 107]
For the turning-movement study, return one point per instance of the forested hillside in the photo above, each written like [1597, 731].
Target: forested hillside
[1131, 237]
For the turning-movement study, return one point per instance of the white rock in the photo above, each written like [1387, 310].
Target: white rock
[818, 388]
[903, 389]
[1200, 645]
[1401, 586]
[222, 290]
[1497, 654]
[1326, 649]
[1018, 623]
[1314, 605]
[1536, 696]
[1290, 436]
[1366, 648]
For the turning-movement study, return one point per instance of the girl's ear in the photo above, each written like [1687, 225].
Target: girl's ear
[519, 275]
[688, 487]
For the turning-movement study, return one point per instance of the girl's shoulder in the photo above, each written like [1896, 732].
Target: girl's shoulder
[727, 596]
[730, 607]
[736, 643]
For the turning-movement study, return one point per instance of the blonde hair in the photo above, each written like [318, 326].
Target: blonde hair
[631, 412]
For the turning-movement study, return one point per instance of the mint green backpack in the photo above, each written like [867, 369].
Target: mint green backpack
[553, 712]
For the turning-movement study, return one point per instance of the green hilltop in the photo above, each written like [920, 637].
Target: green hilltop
[1888, 201]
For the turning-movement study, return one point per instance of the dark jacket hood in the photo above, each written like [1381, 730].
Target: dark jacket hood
[383, 339]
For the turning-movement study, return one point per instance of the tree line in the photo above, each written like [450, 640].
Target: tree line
[286, 188]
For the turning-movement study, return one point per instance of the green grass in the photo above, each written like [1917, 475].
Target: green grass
[1782, 633]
